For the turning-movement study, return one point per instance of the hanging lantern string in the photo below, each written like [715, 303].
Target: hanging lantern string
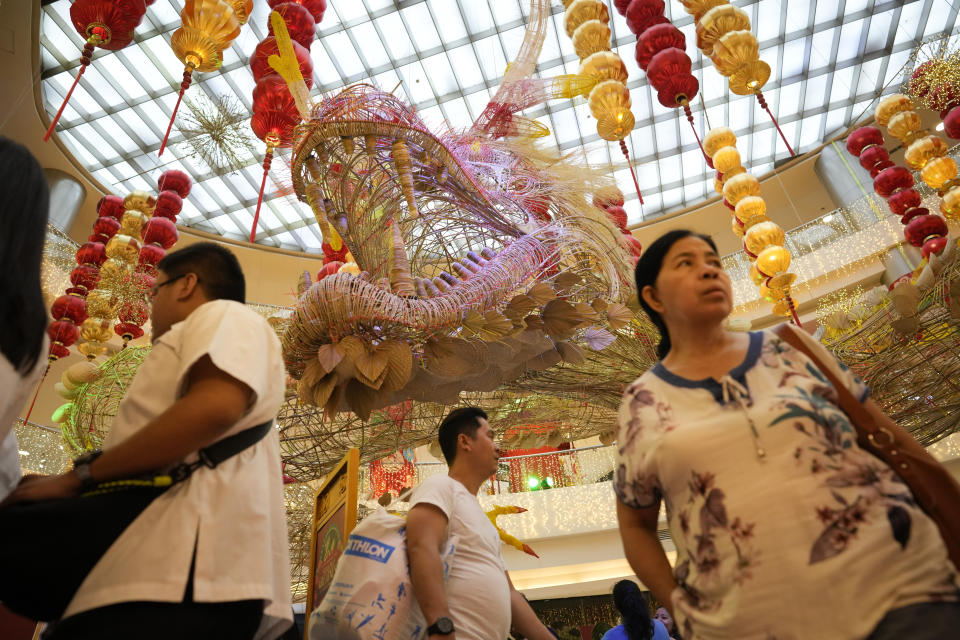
[36, 393]
[85, 58]
[766, 107]
[184, 85]
[793, 310]
[267, 160]
[686, 109]
[633, 174]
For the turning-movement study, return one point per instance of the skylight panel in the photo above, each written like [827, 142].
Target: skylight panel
[448, 19]
[816, 92]
[324, 71]
[347, 58]
[457, 114]
[373, 50]
[441, 74]
[793, 58]
[349, 10]
[420, 25]
[850, 40]
[490, 58]
[465, 66]
[395, 36]
[476, 16]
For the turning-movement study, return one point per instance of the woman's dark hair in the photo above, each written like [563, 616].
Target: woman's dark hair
[648, 268]
[24, 208]
[633, 609]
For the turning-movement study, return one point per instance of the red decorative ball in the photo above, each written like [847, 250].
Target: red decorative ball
[85, 277]
[133, 312]
[119, 17]
[922, 228]
[677, 90]
[934, 246]
[300, 24]
[161, 231]
[873, 155]
[128, 331]
[618, 215]
[863, 137]
[621, 6]
[667, 64]
[892, 179]
[150, 255]
[945, 96]
[903, 200]
[643, 14]
[93, 253]
[111, 206]
[73, 308]
[104, 228]
[273, 94]
[951, 123]
[58, 351]
[268, 47]
[329, 269]
[635, 247]
[169, 204]
[917, 89]
[64, 332]
[175, 180]
[912, 213]
[275, 122]
[657, 38]
[315, 7]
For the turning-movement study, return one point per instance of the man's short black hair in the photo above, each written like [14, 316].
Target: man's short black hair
[463, 420]
[218, 271]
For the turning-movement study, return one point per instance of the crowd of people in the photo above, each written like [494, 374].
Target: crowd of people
[784, 527]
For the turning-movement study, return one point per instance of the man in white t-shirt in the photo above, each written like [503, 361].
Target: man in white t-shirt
[208, 558]
[478, 602]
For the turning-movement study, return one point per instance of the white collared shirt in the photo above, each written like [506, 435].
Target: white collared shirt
[234, 513]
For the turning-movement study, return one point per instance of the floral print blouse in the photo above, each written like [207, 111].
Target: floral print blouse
[784, 527]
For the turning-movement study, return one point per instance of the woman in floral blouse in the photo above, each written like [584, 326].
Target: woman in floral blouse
[784, 527]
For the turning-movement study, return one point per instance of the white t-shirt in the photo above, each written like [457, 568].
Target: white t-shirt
[478, 593]
[234, 513]
[16, 390]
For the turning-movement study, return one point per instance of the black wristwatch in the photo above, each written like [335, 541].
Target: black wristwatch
[441, 627]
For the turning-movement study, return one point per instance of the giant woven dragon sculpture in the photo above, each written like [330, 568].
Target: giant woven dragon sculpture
[473, 258]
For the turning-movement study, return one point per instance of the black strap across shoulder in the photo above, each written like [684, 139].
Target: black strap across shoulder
[222, 450]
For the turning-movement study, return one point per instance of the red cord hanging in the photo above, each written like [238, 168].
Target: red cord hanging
[763, 104]
[184, 85]
[633, 174]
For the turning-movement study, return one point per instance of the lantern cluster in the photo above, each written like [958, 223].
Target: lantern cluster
[108, 24]
[208, 28]
[763, 239]
[115, 269]
[610, 201]
[936, 84]
[283, 55]
[587, 24]
[894, 183]
[724, 36]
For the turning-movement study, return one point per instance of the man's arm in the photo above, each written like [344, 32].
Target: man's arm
[426, 533]
[523, 618]
[638, 531]
[212, 403]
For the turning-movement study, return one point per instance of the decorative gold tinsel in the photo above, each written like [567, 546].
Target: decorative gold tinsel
[216, 131]
[940, 61]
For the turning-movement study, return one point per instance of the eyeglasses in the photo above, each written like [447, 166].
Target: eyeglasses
[156, 288]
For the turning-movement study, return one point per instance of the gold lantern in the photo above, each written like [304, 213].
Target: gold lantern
[737, 228]
[590, 37]
[726, 159]
[242, 9]
[773, 261]
[132, 222]
[756, 277]
[609, 98]
[922, 150]
[749, 78]
[951, 204]
[581, 11]
[718, 138]
[749, 208]
[939, 171]
[891, 106]
[718, 21]
[760, 236]
[906, 127]
[770, 294]
[604, 65]
[698, 8]
[733, 50]
[124, 248]
[739, 187]
[615, 126]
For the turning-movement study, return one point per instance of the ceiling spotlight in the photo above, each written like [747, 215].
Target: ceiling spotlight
[939, 127]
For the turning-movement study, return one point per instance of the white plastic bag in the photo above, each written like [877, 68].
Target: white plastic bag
[371, 597]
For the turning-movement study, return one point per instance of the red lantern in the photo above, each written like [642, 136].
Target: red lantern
[63, 332]
[951, 124]
[300, 24]
[892, 179]
[175, 180]
[273, 94]
[924, 228]
[111, 206]
[656, 39]
[104, 228]
[133, 312]
[643, 14]
[667, 64]
[934, 245]
[73, 308]
[160, 231]
[261, 68]
[168, 205]
[678, 90]
[93, 253]
[903, 200]
[329, 268]
[875, 159]
[150, 255]
[918, 88]
[910, 214]
[635, 247]
[85, 277]
[315, 7]
[621, 6]
[128, 331]
[863, 137]
[618, 215]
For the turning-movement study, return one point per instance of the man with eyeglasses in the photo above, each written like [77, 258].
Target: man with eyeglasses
[209, 557]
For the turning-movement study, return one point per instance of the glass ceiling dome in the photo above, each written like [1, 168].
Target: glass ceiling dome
[830, 60]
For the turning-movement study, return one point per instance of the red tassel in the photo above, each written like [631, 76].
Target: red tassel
[686, 110]
[763, 104]
[84, 61]
[793, 311]
[267, 159]
[623, 149]
[35, 394]
[187, 78]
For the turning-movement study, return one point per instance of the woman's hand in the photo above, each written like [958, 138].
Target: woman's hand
[39, 488]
